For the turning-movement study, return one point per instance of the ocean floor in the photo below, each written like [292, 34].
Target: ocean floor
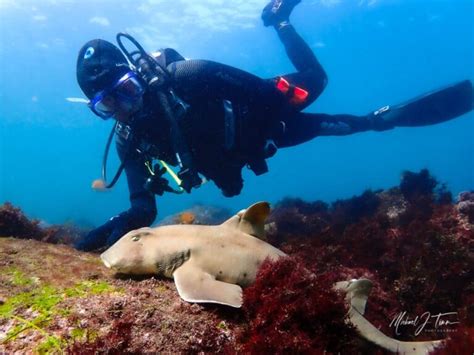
[414, 242]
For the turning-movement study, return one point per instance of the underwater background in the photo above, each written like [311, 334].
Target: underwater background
[375, 52]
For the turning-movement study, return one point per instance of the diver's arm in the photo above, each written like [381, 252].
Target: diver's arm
[203, 78]
[142, 212]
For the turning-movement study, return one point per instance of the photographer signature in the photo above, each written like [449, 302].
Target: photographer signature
[420, 322]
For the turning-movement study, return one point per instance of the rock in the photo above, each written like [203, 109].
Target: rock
[465, 205]
[198, 214]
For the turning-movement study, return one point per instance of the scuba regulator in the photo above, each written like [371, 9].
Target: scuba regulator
[172, 109]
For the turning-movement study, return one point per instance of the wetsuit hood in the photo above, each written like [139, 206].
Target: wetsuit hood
[99, 65]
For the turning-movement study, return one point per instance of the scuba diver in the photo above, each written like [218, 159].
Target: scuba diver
[210, 120]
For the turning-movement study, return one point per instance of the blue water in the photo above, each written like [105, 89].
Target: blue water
[375, 53]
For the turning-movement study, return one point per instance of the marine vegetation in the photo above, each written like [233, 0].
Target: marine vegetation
[13, 222]
[412, 241]
[289, 309]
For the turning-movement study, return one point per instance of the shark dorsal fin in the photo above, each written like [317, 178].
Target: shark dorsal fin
[252, 220]
[234, 221]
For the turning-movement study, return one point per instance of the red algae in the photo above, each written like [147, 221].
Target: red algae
[116, 341]
[290, 309]
[14, 223]
[460, 342]
[411, 241]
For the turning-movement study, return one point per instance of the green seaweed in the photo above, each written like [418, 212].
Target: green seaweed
[83, 335]
[45, 300]
[78, 333]
[222, 326]
[42, 300]
[161, 288]
[16, 277]
[85, 288]
[19, 279]
[52, 344]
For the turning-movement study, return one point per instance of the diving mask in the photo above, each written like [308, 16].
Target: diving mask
[125, 93]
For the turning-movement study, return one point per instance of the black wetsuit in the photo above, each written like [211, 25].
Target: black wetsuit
[260, 112]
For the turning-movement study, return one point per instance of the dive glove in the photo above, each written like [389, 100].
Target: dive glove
[156, 183]
[189, 179]
[104, 235]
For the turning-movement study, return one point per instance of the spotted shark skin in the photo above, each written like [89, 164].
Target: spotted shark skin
[209, 264]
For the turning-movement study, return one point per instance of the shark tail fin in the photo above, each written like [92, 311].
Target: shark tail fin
[357, 292]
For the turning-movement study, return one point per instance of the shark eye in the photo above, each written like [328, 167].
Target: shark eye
[136, 238]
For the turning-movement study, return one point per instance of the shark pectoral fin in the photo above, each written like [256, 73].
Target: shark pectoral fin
[195, 285]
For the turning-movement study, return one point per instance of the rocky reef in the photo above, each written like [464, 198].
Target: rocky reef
[198, 214]
[13, 222]
[412, 241]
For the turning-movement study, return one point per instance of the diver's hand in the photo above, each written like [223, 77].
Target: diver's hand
[157, 184]
[102, 236]
[189, 179]
[95, 239]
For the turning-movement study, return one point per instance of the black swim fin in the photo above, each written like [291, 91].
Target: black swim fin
[278, 11]
[435, 107]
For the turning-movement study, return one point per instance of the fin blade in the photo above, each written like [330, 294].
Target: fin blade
[437, 106]
[195, 285]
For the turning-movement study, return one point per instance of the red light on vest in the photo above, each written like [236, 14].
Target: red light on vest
[299, 95]
[283, 85]
[296, 94]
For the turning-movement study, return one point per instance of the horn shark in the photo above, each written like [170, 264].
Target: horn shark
[209, 264]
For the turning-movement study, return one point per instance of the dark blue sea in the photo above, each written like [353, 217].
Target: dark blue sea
[376, 52]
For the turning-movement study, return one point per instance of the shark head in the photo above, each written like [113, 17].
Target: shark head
[131, 254]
